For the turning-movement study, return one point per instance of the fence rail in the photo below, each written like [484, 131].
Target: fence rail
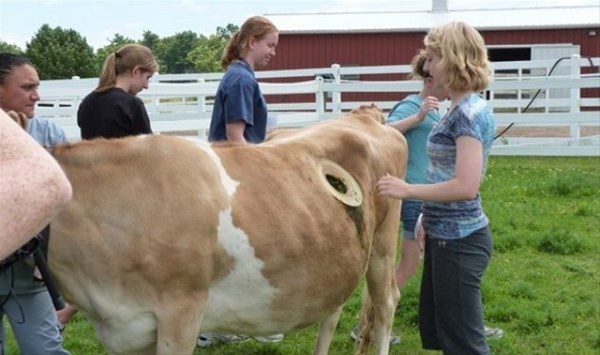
[183, 102]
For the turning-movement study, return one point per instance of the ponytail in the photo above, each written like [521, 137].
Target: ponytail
[108, 77]
[231, 51]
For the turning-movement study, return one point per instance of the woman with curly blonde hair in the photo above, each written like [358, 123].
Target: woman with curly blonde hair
[458, 241]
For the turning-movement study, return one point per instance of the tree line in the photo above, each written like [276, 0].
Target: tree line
[59, 53]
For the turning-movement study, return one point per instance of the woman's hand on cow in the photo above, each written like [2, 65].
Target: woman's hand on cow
[392, 186]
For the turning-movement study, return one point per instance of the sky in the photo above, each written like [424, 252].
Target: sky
[99, 20]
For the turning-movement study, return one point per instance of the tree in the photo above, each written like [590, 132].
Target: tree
[150, 40]
[115, 44]
[172, 52]
[207, 55]
[227, 31]
[10, 48]
[60, 54]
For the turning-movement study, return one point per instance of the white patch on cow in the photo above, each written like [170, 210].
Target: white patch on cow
[229, 184]
[244, 295]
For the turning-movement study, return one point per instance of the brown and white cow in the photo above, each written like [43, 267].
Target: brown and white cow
[166, 238]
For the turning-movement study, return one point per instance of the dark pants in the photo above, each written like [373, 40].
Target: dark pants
[450, 309]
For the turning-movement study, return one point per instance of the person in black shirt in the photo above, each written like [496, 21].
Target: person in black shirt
[112, 110]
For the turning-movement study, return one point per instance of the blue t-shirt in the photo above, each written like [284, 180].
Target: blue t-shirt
[45, 132]
[239, 98]
[453, 220]
[416, 136]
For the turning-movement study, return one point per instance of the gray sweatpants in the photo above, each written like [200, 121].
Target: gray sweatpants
[450, 309]
[33, 320]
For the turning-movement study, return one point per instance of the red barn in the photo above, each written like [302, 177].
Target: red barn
[391, 38]
[526, 32]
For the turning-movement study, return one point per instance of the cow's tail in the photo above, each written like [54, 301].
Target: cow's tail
[366, 343]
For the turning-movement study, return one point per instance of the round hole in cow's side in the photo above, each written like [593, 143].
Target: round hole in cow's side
[336, 183]
[340, 183]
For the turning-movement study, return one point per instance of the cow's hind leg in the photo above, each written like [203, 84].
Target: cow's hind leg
[377, 315]
[179, 323]
[326, 331]
[381, 293]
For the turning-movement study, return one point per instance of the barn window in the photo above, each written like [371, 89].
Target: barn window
[509, 54]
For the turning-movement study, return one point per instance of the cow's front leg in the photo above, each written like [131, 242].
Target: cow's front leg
[326, 331]
[179, 321]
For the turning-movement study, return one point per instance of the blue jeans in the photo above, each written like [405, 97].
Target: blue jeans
[33, 320]
[408, 215]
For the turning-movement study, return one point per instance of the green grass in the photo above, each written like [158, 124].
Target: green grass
[542, 286]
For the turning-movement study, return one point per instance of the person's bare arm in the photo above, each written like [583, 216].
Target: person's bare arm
[463, 186]
[430, 103]
[235, 132]
[33, 187]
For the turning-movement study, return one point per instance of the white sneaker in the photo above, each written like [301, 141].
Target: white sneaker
[492, 333]
[209, 339]
[275, 338]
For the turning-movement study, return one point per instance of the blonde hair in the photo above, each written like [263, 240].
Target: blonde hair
[123, 60]
[255, 27]
[417, 64]
[463, 54]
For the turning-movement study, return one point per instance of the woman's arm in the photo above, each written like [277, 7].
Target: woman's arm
[464, 185]
[33, 187]
[403, 125]
[235, 132]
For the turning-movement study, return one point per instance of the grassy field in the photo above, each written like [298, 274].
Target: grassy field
[542, 286]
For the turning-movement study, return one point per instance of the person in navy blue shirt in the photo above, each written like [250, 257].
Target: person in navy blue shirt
[458, 240]
[240, 110]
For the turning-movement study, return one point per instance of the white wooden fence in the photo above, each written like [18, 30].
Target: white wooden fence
[183, 102]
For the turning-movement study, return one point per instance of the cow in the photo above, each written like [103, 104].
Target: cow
[166, 237]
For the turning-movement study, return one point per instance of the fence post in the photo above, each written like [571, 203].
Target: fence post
[336, 95]
[75, 101]
[320, 99]
[201, 98]
[154, 103]
[575, 95]
[490, 91]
